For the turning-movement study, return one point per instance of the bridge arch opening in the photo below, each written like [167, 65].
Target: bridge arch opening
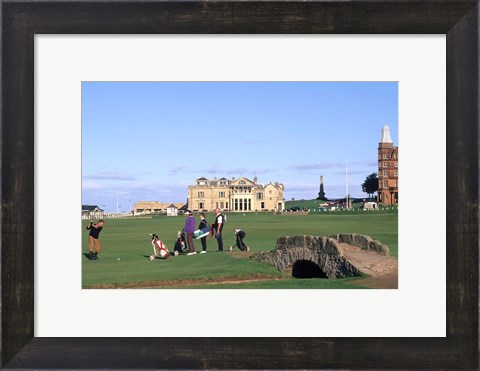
[307, 269]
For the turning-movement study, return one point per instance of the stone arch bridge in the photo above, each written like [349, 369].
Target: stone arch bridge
[336, 256]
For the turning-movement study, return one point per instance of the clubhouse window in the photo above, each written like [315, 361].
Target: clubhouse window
[262, 205]
[200, 205]
[201, 194]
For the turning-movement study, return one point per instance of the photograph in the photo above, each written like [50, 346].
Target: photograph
[240, 185]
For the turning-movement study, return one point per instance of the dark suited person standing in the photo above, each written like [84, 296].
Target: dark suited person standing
[218, 228]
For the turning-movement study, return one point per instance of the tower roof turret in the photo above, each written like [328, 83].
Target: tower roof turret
[386, 138]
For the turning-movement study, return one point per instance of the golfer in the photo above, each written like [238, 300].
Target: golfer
[203, 224]
[217, 229]
[189, 228]
[93, 241]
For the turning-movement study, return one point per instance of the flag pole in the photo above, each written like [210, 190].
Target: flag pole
[346, 184]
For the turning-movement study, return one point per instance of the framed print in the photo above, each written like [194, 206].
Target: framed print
[22, 22]
[248, 205]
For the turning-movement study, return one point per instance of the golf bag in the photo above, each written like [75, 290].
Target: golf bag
[159, 248]
[181, 244]
[240, 235]
[199, 233]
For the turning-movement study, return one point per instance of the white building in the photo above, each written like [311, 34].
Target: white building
[172, 210]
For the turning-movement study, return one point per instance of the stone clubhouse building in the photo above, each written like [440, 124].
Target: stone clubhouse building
[236, 195]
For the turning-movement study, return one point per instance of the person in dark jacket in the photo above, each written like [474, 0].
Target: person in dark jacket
[218, 228]
[240, 235]
[203, 224]
[93, 239]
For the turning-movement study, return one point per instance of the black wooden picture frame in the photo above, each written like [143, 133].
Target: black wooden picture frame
[21, 20]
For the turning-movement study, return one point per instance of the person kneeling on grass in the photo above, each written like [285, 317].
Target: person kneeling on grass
[93, 241]
[240, 235]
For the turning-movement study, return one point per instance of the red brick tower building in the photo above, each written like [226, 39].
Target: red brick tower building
[387, 170]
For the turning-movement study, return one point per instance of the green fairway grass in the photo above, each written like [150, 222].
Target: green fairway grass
[126, 247]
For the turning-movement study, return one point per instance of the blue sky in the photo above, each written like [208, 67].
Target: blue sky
[150, 140]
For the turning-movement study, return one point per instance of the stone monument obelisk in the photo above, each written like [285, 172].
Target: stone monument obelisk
[321, 194]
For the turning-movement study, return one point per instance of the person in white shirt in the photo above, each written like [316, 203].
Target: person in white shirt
[217, 229]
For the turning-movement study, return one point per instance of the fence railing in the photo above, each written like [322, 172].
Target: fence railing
[106, 216]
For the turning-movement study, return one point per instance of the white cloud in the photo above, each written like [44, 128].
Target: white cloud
[316, 166]
[109, 175]
[178, 169]
[92, 184]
